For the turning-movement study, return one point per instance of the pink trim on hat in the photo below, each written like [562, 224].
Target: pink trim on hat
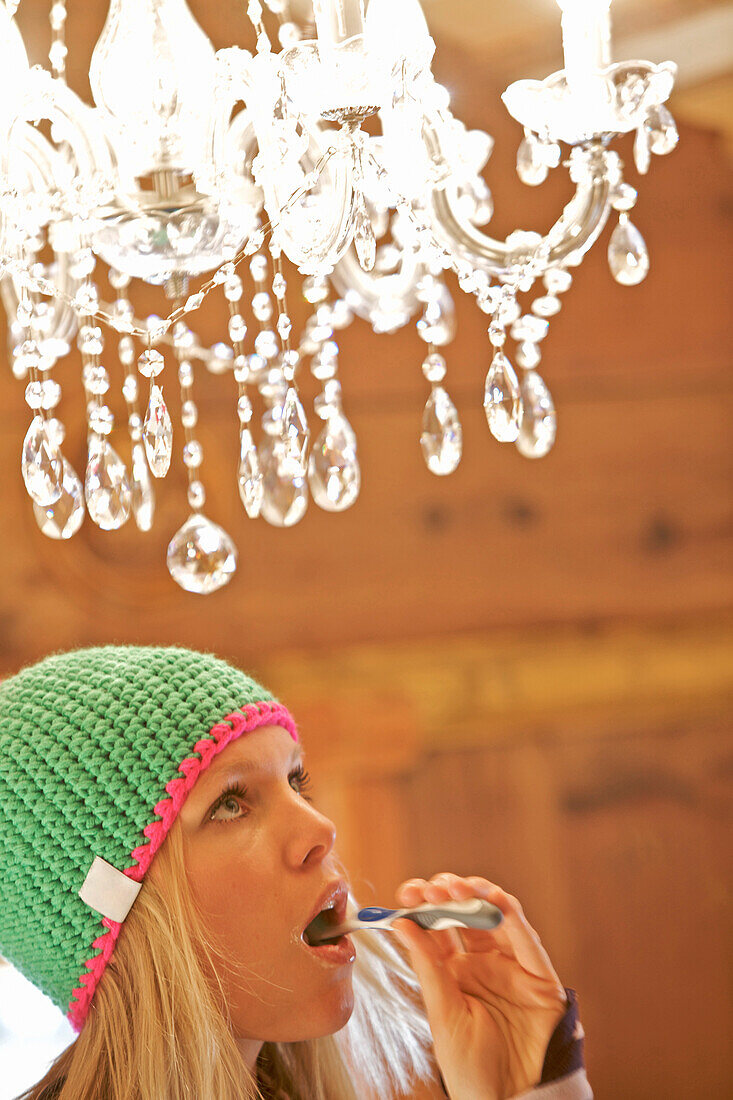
[220, 735]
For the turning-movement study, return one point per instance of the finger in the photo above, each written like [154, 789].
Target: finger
[440, 991]
[450, 939]
[408, 892]
[515, 934]
[416, 892]
[472, 939]
[493, 975]
[515, 937]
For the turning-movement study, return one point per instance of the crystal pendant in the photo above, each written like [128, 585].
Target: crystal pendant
[285, 493]
[64, 517]
[249, 475]
[365, 242]
[158, 433]
[627, 254]
[663, 135]
[106, 486]
[442, 436]
[143, 498]
[294, 430]
[502, 400]
[42, 464]
[642, 150]
[201, 556]
[539, 422]
[334, 475]
[531, 167]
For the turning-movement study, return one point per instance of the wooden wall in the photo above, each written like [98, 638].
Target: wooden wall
[522, 671]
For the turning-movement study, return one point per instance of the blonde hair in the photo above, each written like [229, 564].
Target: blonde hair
[159, 1027]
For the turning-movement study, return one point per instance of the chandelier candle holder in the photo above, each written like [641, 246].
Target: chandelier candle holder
[210, 167]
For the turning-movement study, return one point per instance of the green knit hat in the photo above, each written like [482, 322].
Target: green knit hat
[98, 751]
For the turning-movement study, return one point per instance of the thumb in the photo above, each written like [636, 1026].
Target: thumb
[440, 991]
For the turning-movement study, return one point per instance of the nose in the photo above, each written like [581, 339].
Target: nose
[311, 838]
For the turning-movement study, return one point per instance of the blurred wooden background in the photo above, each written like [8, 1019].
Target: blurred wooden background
[522, 671]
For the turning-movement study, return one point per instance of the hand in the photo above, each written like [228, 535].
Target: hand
[493, 998]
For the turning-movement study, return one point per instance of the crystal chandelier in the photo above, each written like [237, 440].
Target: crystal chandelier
[201, 172]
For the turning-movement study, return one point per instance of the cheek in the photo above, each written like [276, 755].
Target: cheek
[273, 989]
[236, 898]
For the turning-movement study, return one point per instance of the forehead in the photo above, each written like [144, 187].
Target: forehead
[266, 750]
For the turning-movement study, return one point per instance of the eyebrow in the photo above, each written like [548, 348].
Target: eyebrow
[248, 767]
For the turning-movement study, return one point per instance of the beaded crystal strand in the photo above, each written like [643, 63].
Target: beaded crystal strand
[442, 436]
[51, 482]
[249, 474]
[334, 473]
[106, 483]
[288, 32]
[294, 426]
[157, 426]
[141, 483]
[539, 421]
[58, 51]
[502, 396]
[201, 556]
[283, 452]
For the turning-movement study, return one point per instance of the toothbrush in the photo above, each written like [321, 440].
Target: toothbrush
[473, 913]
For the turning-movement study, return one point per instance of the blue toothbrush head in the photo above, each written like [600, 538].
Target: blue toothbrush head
[374, 912]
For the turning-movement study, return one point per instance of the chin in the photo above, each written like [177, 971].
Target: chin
[331, 1015]
[338, 1014]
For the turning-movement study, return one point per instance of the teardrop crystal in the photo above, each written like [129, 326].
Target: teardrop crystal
[285, 494]
[334, 475]
[502, 400]
[201, 556]
[663, 135]
[627, 254]
[249, 475]
[143, 497]
[294, 431]
[42, 464]
[365, 242]
[531, 167]
[106, 486]
[539, 422]
[442, 436]
[158, 433]
[64, 517]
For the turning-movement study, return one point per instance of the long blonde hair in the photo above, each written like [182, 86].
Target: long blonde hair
[159, 1027]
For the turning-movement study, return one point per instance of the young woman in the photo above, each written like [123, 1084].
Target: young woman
[160, 860]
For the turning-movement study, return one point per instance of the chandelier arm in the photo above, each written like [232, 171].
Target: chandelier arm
[366, 290]
[34, 170]
[570, 237]
[311, 240]
[74, 123]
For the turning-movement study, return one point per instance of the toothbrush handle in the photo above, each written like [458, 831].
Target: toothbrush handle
[473, 913]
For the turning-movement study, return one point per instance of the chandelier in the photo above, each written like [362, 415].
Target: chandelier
[334, 160]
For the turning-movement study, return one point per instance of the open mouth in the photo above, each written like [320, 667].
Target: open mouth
[316, 933]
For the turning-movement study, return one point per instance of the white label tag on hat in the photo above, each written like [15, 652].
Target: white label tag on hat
[109, 891]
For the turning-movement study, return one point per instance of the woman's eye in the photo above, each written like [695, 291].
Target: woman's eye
[229, 802]
[303, 779]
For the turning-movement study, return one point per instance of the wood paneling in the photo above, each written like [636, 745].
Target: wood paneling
[610, 820]
[629, 516]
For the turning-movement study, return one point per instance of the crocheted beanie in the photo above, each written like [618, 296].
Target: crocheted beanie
[98, 751]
